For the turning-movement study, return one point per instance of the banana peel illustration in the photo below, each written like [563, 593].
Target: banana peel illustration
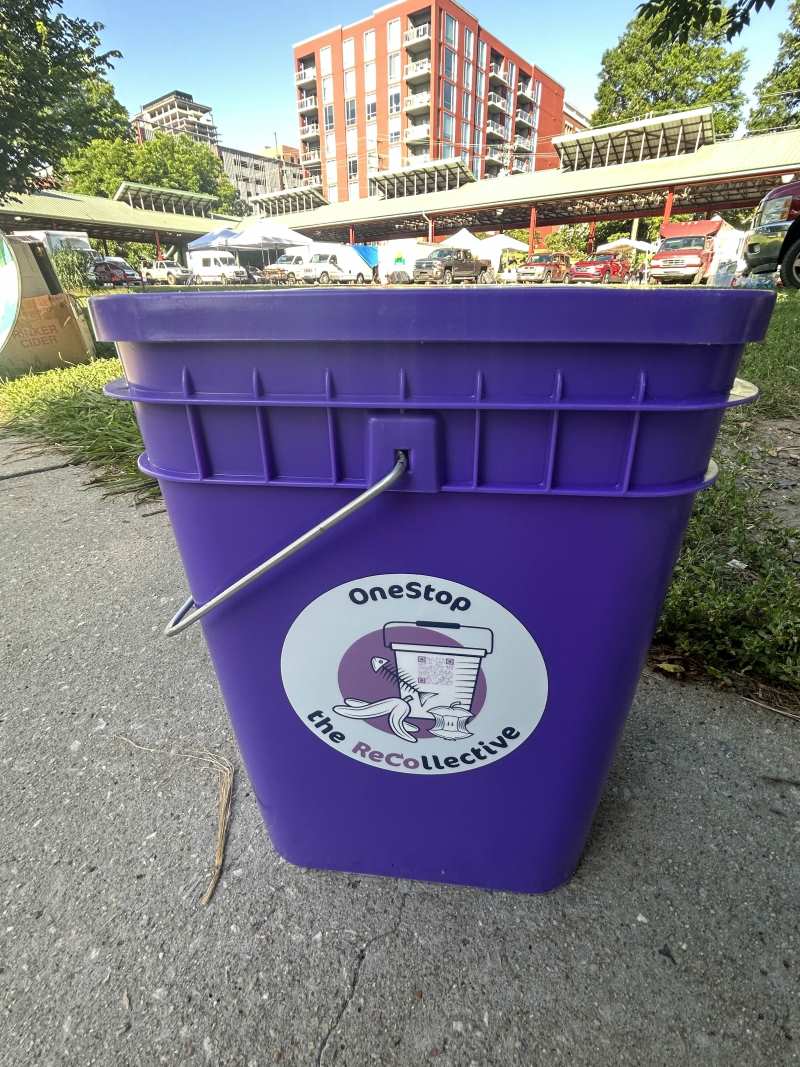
[397, 709]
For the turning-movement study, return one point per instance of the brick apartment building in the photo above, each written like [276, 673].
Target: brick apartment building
[413, 83]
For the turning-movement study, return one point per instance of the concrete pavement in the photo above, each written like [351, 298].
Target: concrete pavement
[676, 942]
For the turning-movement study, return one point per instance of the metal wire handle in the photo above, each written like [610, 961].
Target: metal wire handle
[185, 616]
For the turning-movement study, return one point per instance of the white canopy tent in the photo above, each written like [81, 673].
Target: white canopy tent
[463, 239]
[626, 242]
[266, 233]
[492, 248]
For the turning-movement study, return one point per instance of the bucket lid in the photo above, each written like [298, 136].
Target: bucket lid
[567, 314]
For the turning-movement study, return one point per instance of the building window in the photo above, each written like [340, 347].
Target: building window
[512, 71]
[369, 77]
[333, 194]
[448, 96]
[448, 128]
[348, 53]
[466, 104]
[480, 84]
[482, 54]
[478, 115]
[350, 112]
[325, 60]
[351, 141]
[465, 135]
[330, 171]
[352, 168]
[395, 157]
[394, 67]
[349, 83]
[372, 107]
[467, 75]
[394, 129]
[394, 101]
[372, 137]
[328, 117]
[469, 42]
[450, 65]
[448, 151]
[393, 35]
[537, 96]
[327, 90]
[476, 169]
[369, 45]
[330, 144]
[450, 30]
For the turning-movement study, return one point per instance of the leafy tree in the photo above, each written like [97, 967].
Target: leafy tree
[73, 269]
[165, 161]
[52, 95]
[639, 75]
[679, 19]
[778, 94]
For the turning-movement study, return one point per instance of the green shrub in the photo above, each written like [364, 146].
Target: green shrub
[73, 269]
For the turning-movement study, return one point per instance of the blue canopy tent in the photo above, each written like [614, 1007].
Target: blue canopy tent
[215, 239]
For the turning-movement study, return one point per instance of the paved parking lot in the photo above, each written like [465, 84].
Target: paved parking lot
[676, 942]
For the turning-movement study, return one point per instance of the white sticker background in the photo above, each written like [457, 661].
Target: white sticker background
[405, 697]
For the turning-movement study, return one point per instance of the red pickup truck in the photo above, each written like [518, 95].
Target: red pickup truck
[686, 251]
[605, 268]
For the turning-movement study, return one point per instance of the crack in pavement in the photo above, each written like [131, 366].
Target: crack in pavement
[35, 470]
[354, 977]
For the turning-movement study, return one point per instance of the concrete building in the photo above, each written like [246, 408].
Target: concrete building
[176, 112]
[575, 121]
[414, 83]
[254, 174]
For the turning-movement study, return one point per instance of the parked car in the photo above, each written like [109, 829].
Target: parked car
[113, 270]
[444, 266]
[216, 268]
[165, 271]
[544, 267]
[343, 265]
[607, 267]
[287, 269]
[773, 243]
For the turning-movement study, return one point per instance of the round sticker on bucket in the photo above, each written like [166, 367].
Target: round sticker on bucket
[414, 674]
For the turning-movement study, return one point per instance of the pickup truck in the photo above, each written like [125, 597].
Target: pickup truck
[444, 266]
[168, 271]
[605, 268]
[774, 241]
[688, 251]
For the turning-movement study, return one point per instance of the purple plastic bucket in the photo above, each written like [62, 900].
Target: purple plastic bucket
[435, 686]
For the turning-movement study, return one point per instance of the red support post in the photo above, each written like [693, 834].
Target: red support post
[592, 238]
[668, 205]
[352, 235]
[532, 229]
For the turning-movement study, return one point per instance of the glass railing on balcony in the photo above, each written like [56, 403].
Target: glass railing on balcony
[305, 74]
[521, 166]
[523, 144]
[495, 129]
[417, 101]
[496, 155]
[420, 69]
[524, 117]
[420, 132]
[416, 36]
[309, 158]
[498, 101]
[307, 103]
[310, 129]
[498, 71]
[524, 89]
[310, 180]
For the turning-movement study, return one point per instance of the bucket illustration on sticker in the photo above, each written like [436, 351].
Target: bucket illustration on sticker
[435, 682]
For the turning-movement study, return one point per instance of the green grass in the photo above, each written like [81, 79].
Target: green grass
[733, 623]
[66, 408]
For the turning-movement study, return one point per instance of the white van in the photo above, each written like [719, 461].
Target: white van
[215, 268]
[58, 240]
[330, 263]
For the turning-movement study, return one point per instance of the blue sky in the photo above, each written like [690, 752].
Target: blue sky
[237, 57]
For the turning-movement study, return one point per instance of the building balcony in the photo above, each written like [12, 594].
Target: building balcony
[311, 158]
[417, 134]
[414, 103]
[524, 118]
[498, 73]
[417, 37]
[495, 129]
[521, 166]
[310, 181]
[306, 103]
[417, 71]
[305, 76]
[496, 101]
[525, 90]
[523, 144]
[496, 155]
[309, 130]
